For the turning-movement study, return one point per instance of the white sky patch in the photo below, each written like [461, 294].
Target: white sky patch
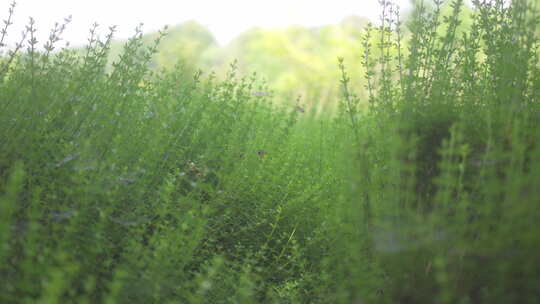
[225, 19]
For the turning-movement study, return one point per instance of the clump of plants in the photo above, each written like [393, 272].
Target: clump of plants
[124, 184]
[449, 159]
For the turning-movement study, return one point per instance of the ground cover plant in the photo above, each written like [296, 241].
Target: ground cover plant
[127, 184]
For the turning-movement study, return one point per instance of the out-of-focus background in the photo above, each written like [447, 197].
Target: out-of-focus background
[293, 45]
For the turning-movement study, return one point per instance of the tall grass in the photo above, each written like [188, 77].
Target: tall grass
[124, 184]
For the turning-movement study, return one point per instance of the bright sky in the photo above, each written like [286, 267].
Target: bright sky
[225, 18]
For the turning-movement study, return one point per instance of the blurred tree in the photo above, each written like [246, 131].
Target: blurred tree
[186, 42]
[299, 60]
[294, 60]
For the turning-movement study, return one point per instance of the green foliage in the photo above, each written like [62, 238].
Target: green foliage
[299, 60]
[122, 183]
[293, 60]
[446, 163]
[135, 180]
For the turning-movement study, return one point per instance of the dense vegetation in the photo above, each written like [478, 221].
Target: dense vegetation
[134, 184]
